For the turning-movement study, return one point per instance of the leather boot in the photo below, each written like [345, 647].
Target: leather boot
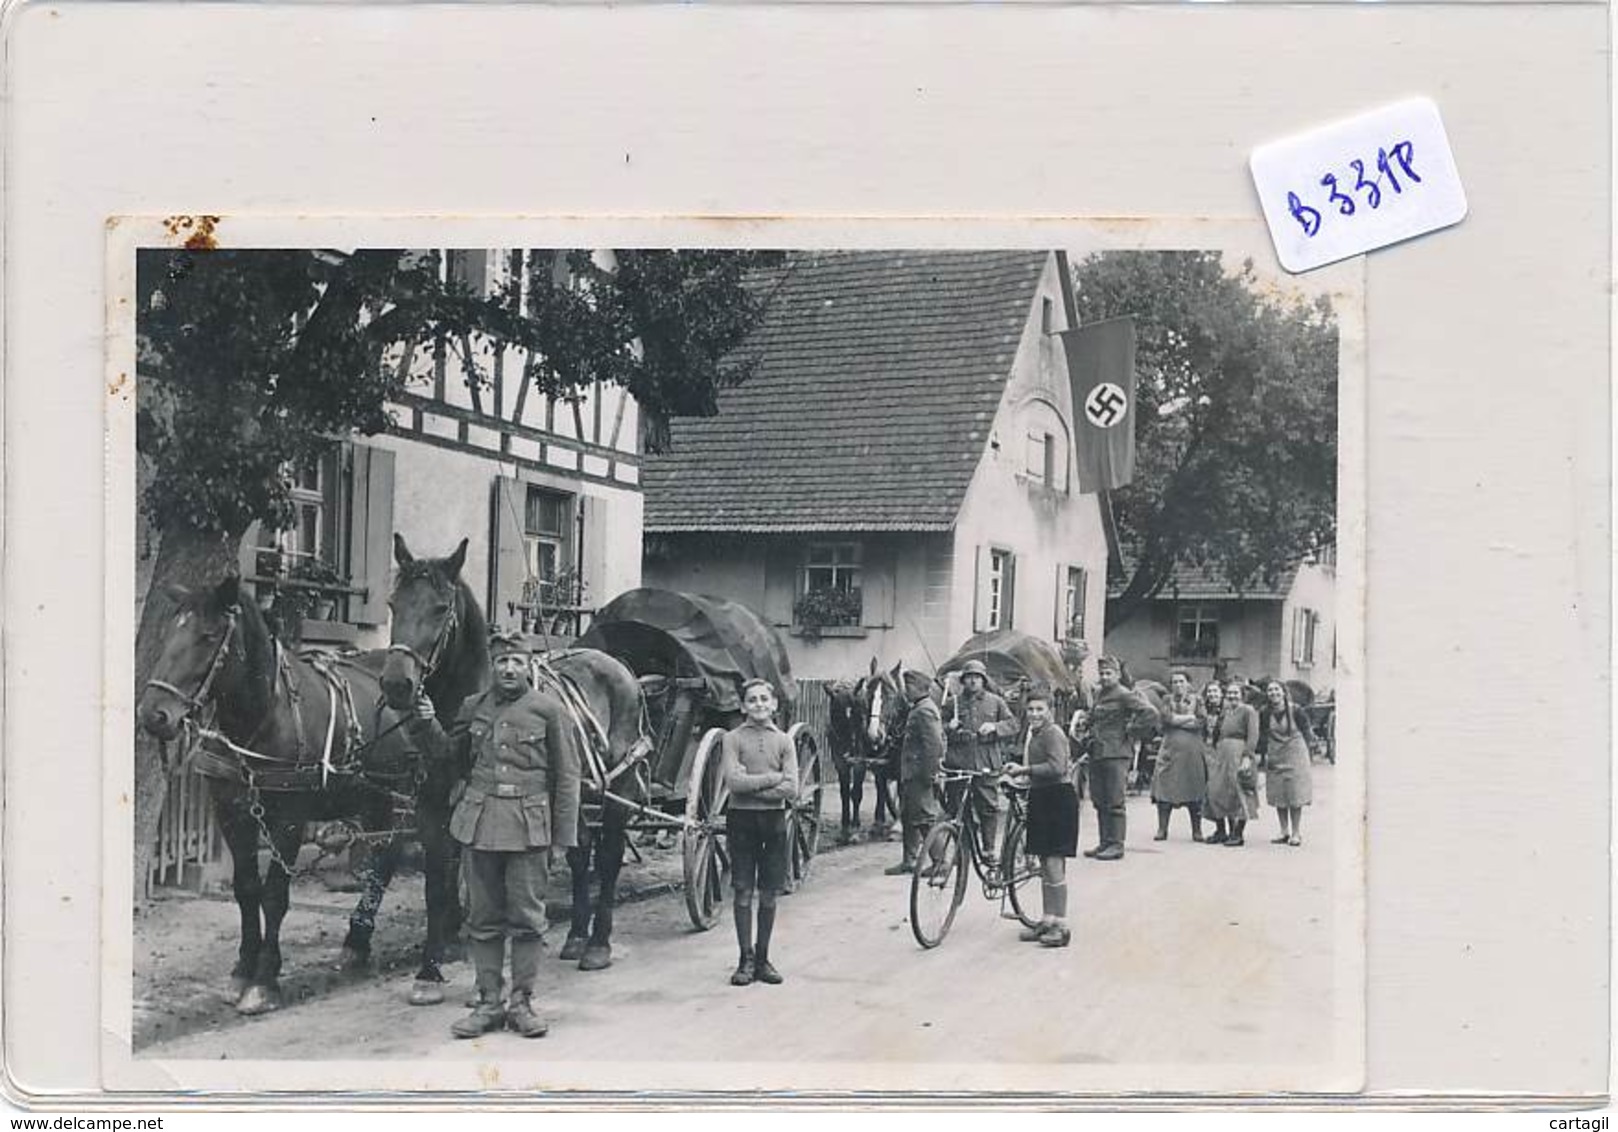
[489, 1012]
[520, 1016]
[912, 842]
[1103, 825]
[525, 957]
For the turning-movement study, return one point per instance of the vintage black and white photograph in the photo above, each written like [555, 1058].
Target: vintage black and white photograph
[856, 665]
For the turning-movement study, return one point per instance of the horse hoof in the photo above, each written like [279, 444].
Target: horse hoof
[238, 987]
[353, 961]
[597, 958]
[424, 993]
[256, 1001]
[573, 949]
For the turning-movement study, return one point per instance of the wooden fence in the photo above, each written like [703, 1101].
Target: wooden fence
[190, 849]
[814, 709]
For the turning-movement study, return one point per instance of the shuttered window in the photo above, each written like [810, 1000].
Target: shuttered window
[1072, 592]
[995, 607]
[338, 547]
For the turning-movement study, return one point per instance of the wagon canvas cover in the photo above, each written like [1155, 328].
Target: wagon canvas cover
[681, 634]
[1011, 656]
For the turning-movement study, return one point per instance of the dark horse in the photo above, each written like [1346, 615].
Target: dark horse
[880, 716]
[843, 739]
[440, 639]
[293, 740]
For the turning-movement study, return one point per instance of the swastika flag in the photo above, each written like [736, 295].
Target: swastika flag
[1101, 369]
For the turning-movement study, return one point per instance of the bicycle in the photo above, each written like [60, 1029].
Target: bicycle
[938, 885]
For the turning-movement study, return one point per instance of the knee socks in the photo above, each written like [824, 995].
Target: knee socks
[766, 925]
[744, 926]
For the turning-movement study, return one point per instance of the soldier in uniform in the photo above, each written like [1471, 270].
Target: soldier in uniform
[978, 720]
[919, 759]
[520, 806]
[1117, 718]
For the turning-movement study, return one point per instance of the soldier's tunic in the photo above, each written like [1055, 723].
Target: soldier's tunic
[970, 751]
[920, 756]
[1118, 716]
[521, 798]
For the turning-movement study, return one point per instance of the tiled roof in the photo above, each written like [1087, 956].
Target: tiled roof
[1208, 583]
[878, 379]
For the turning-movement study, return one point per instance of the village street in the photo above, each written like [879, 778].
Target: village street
[1182, 953]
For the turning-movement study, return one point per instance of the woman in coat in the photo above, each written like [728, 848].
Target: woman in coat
[1213, 702]
[1288, 780]
[1181, 776]
[1232, 780]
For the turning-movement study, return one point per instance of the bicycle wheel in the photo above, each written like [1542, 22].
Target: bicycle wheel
[938, 885]
[1021, 871]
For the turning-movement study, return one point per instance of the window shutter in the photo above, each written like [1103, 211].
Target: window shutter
[1008, 596]
[1081, 603]
[780, 580]
[508, 560]
[1059, 633]
[980, 603]
[370, 533]
[593, 550]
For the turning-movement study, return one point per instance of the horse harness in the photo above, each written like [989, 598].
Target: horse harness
[592, 735]
[213, 754]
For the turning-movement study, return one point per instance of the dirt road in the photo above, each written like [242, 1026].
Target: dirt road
[1183, 953]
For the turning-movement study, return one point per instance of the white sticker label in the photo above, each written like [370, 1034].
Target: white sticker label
[1356, 185]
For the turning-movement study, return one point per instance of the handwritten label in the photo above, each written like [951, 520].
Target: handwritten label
[1357, 185]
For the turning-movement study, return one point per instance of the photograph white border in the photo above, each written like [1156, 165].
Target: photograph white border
[1237, 240]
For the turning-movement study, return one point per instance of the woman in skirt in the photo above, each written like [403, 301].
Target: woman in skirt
[1288, 780]
[1181, 776]
[1053, 816]
[1213, 702]
[1232, 781]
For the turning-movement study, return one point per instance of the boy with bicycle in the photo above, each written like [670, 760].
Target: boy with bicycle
[1053, 816]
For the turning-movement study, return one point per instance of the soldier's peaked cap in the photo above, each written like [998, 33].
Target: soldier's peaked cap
[503, 643]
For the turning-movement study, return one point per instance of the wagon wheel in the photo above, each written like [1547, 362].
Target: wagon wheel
[707, 863]
[803, 818]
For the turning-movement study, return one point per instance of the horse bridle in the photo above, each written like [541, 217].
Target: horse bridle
[873, 717]
[429, 663]
[195, 702]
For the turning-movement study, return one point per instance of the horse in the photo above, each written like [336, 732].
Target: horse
[439, 638]
[453, 667]
[293, 739]
[843, 740]
[882, 711]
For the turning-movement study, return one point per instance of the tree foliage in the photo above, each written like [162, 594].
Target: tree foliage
[256, 358]
[1236, 422]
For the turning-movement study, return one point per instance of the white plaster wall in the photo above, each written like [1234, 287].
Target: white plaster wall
[742, 574]
[442, 496]
[1003, 507]
[1315, 587]
[733, 574]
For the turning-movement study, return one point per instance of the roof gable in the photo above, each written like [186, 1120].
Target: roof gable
[878, 378]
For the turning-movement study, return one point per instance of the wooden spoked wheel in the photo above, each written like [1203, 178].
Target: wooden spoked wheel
[804, 817]
[702, 849]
